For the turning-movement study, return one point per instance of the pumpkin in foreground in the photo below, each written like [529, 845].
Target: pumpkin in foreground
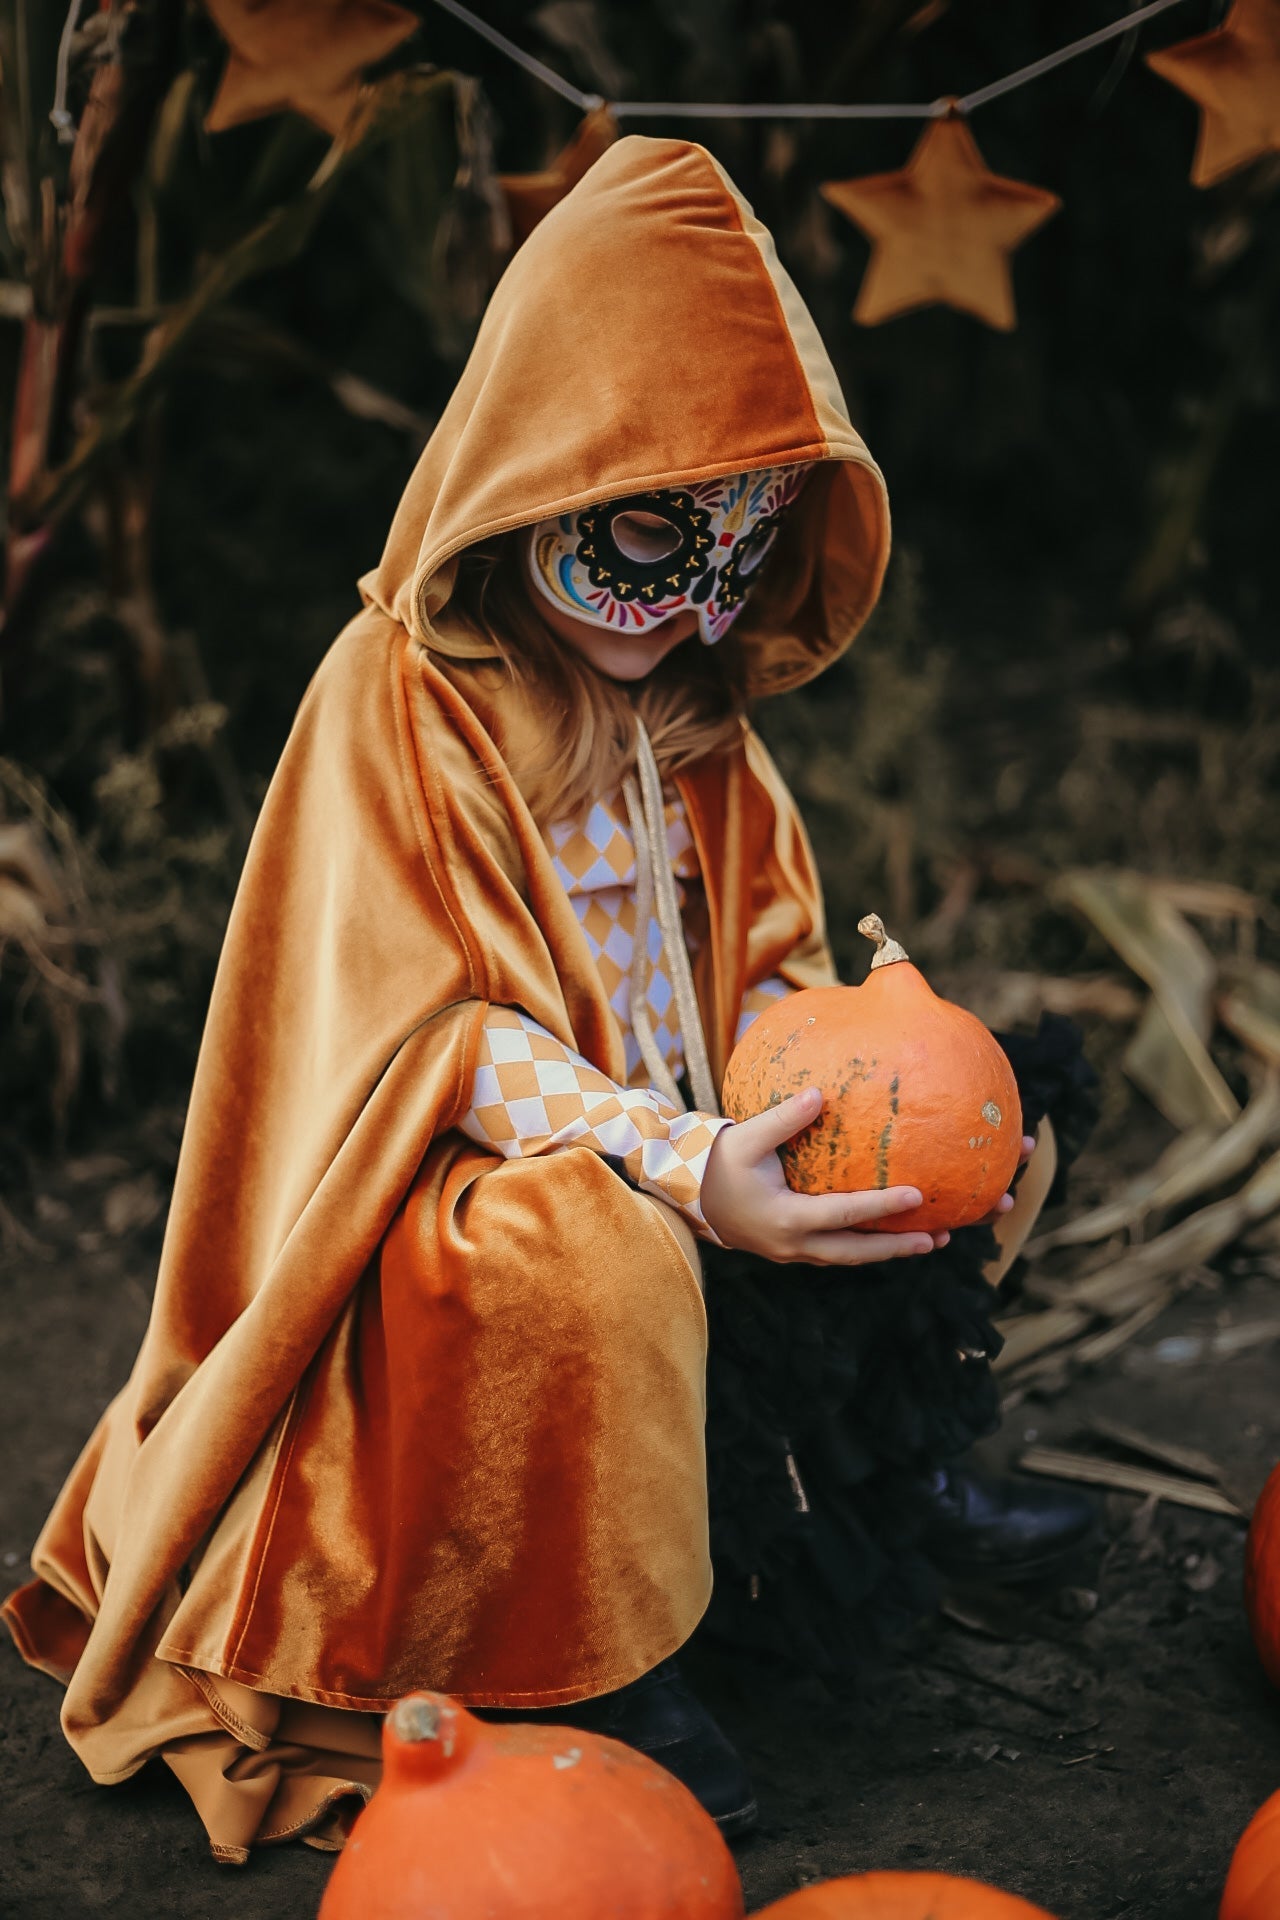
[1262, 1579]
[1252, 1891]
[917, 1091]
[481, 1821]
[902, 1896]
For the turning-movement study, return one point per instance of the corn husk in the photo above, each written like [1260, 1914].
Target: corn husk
[1057, 1463]
[1029, 1334]
[1194, 1163]
[1124, 1285]
[1169, 1453]
[1249, 1007]
[1168, 1057]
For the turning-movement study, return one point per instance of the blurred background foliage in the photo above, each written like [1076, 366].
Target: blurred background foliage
[221, 352]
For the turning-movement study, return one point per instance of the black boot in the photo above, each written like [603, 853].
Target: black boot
[658, 1716]
[985, 1527]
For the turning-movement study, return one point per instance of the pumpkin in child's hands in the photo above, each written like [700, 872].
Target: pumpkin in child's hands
[1262, 1577]
[1252, 1891]
[514, 1821]
[901, 1896]
[917, 1092]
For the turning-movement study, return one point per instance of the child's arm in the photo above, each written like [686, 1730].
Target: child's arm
[532, 1095]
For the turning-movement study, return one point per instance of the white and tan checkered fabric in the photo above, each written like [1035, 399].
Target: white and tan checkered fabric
[596, 861]
[532, 1094]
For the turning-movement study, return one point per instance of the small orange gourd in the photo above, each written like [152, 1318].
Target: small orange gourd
[901, 1896]
[482, 1821]
[917, 1091]
[1252, 1891]
[1262, 1578]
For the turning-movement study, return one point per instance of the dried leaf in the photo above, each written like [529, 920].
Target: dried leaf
[1057, 1463]
[1249, 1007]
[1188, 1460]
[1029, 1334]
[1178, 1077]
[1169, 1058]
[1229, 1341]
[1211, 899]
[1125, 1284]
[1194, 1163]
[1091, 1352]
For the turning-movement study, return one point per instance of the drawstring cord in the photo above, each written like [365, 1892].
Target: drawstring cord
[656, 889]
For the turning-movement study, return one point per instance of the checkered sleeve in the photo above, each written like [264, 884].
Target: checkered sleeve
[756, 999]
[532, 1095]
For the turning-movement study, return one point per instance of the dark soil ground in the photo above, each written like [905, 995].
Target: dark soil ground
[1101, 1762]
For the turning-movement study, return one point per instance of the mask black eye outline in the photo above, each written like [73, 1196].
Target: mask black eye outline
[738, 574]
[629, 577]
[645, 538]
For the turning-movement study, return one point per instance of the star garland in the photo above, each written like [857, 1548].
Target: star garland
[531, 196]
[1233, 75]
[942, 229]
[300, 56]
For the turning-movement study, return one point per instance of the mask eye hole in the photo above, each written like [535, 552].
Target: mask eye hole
[755, 548]
[645, 537]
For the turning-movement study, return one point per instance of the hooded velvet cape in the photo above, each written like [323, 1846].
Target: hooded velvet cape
[378, 1360]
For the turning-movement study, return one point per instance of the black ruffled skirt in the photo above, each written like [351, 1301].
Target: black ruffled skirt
[832, 1399]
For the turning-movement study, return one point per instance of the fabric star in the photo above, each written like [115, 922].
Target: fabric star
[1233, 75]
[530, 196]
[941, 229]
[303, 56]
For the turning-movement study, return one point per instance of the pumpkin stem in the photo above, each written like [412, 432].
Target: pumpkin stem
[887, 951]
[416, 1718]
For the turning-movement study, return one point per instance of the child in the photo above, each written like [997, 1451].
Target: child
[422, 1398]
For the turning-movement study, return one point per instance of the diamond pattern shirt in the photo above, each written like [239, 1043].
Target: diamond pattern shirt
[533, 1095]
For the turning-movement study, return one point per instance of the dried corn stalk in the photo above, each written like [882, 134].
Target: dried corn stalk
[1196, 1162]
[1058, 1463]
[1125, 1284]
[1168, 1056]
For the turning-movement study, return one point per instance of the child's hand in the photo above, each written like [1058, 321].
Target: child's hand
[746, 1200]
[1007, 1201]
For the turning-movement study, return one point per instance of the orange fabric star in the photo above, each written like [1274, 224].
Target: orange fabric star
[303, 56]
[1233, 75]
[532, 195]
[941, 229]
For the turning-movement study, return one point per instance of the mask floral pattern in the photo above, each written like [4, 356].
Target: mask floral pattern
[628, 564]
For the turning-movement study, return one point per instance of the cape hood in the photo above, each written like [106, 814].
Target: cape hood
[646, 335]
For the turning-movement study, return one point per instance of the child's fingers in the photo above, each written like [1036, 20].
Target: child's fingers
[767, 1131]
[1028, 1146]
[863, 1249]
[833, 1212]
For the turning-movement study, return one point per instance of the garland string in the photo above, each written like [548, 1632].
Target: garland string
[797, 110]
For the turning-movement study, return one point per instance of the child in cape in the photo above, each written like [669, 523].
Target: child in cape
[423, 1399]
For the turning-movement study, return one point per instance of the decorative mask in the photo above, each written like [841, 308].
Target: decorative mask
[629, 564]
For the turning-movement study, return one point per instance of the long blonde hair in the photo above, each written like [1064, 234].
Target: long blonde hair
[691, 704]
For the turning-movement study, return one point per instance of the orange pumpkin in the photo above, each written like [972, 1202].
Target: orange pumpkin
[917, 1091]
[1252, 1891]
[512, 1820]
[1262, 1577]
[901, 1896]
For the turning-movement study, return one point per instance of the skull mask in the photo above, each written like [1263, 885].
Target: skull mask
[628, 564]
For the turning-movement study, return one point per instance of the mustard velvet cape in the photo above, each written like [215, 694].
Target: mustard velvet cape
[406, 1415]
